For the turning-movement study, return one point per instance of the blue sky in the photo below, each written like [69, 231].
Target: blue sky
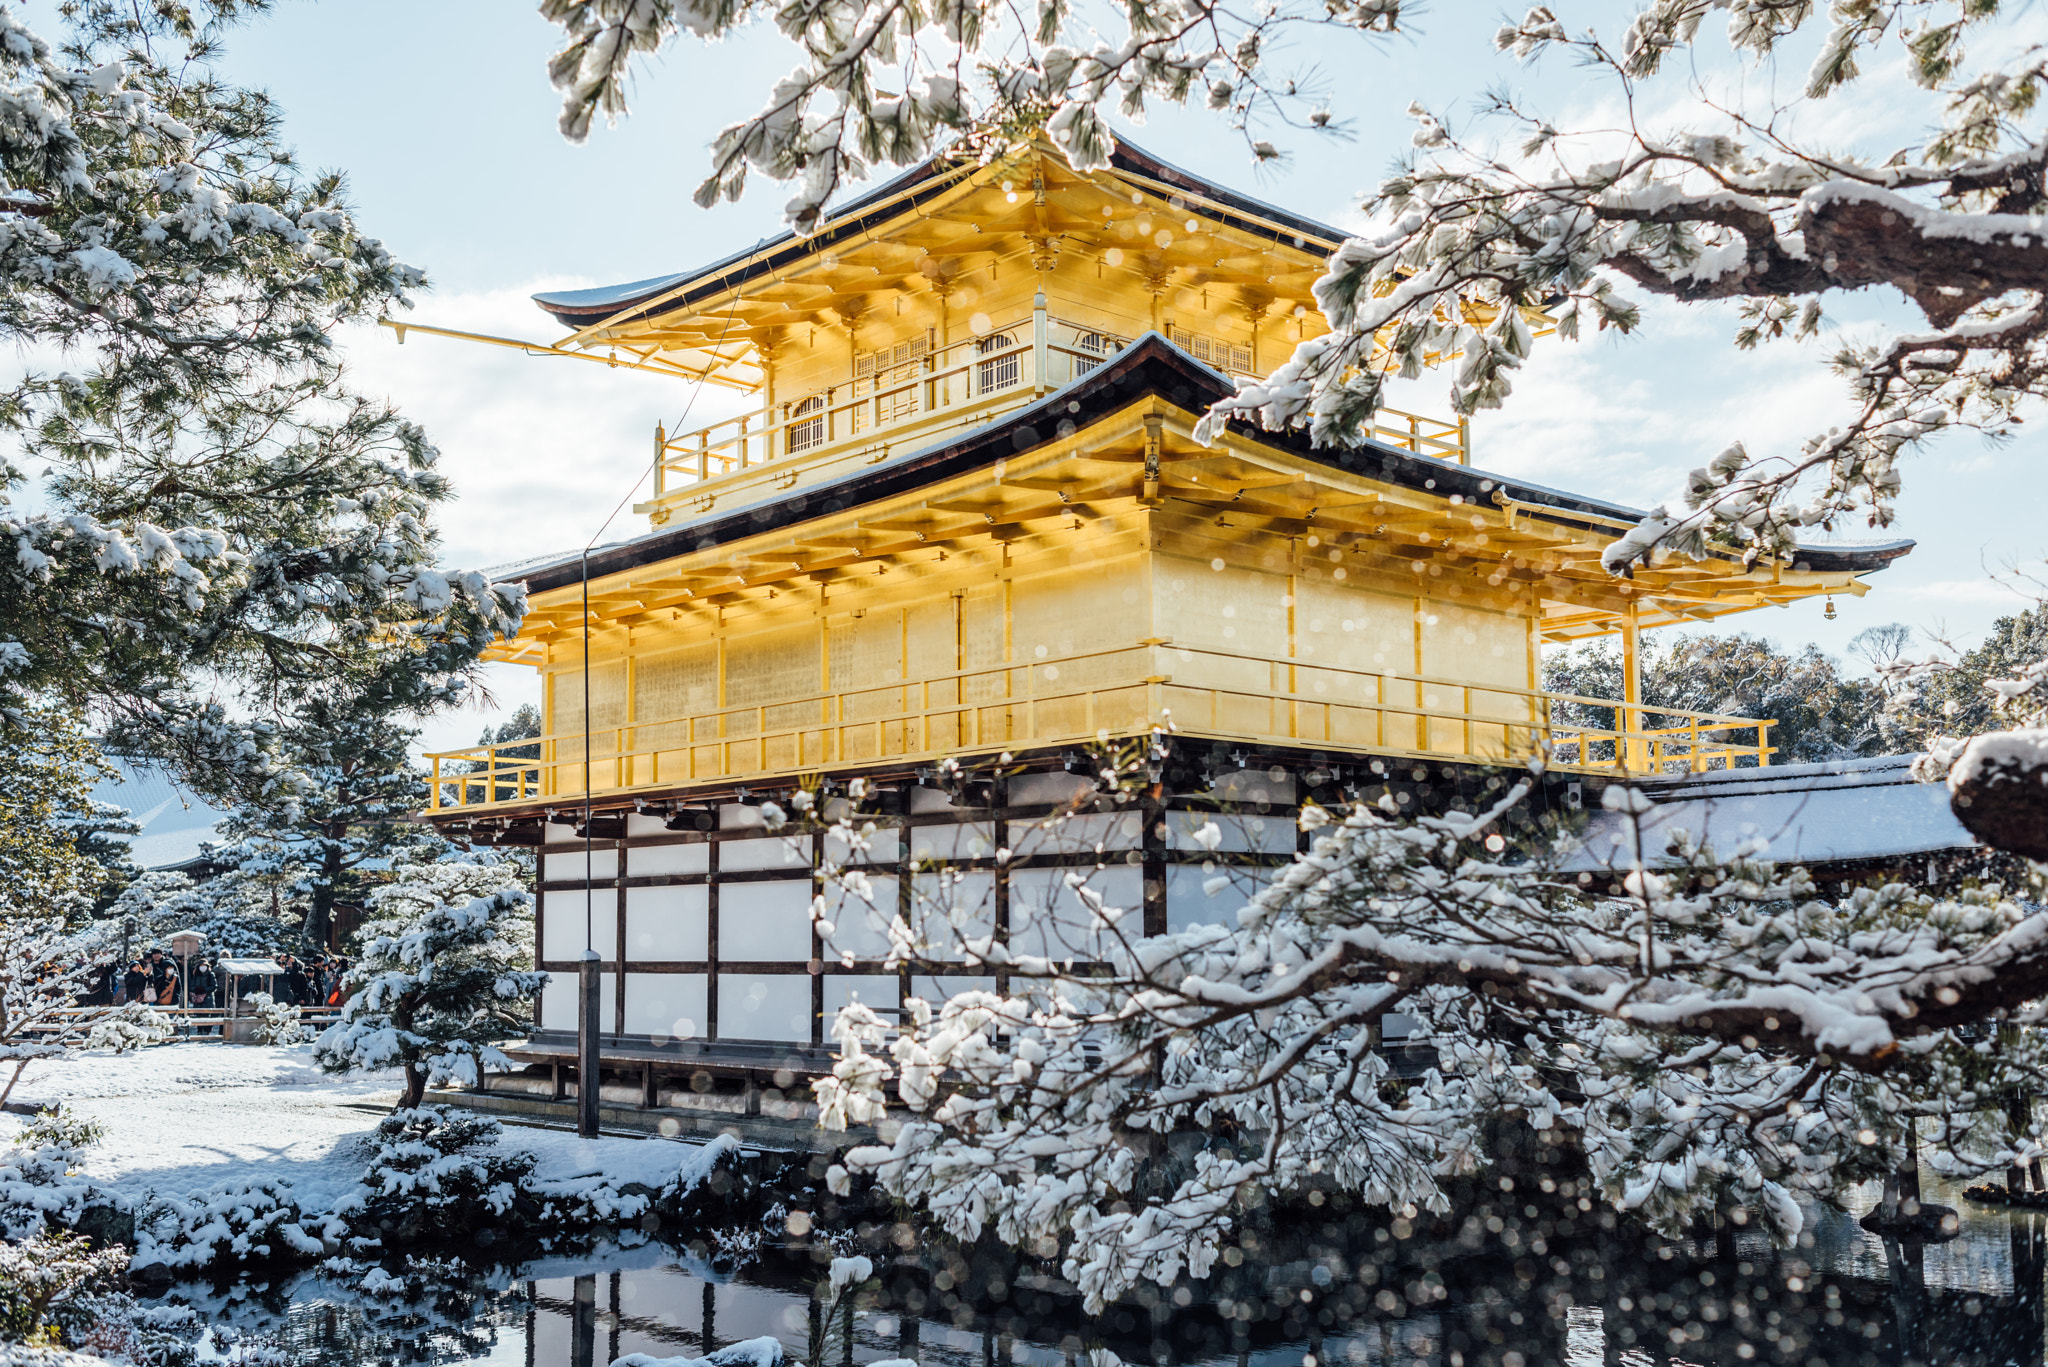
[442, 116]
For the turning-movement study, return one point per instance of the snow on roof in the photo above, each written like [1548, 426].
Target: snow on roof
[526, 564]
[604, 295]
[1838, 811]
[173, 821]
[251, 967]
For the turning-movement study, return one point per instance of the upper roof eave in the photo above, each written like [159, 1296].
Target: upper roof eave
[586, 308]
[1149, 366]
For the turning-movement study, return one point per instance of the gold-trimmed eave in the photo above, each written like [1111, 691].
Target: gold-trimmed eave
[1269, 261]
[885, 257]
[1243, 501]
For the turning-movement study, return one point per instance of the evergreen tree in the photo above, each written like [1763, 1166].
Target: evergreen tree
[56, 857]
[440, 977]
[228, 530]
[1821, 714]
[1931, 701]
[352, 819]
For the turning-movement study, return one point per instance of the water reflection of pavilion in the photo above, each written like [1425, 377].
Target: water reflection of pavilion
[1847, 1300]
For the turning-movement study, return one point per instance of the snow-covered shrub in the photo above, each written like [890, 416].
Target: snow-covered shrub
[276, 1022]
[711, 1176]
[133, 1026]
[439, 978]
[236, 1222]
[761, 1352]
[115, 1326]
[437, 1173]
[40, 1273]
[40, 1185]
[433, 1172]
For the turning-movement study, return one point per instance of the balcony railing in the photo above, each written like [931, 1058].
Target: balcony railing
[1080, 698]
[951, 386]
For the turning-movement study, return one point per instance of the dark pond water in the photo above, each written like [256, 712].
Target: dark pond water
[1508, 1285]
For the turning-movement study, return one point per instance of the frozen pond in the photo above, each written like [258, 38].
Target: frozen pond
[1329, 1287]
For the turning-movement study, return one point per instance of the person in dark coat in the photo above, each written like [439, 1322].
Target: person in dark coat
[298, 988]
[204, 982]
[133, 982]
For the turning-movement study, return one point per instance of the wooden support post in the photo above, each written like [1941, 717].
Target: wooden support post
[1628, 752]
[588, 1071]
[1041, 356]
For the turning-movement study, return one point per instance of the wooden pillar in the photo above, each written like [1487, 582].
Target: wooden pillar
[1041, 353]
[712, 846]
[1631, 754]
[764, 351]
[817, 962]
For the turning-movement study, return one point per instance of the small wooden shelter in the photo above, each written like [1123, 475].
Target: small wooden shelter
[966, 518]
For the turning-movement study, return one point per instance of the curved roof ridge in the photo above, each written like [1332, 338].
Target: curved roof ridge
[582, 308]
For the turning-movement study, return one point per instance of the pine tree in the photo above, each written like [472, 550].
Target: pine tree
[352, 818]
[55, 857]
[228, 529]
[1952, 699]
[441, 976]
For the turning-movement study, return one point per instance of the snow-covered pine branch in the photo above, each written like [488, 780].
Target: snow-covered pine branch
[1470, 241]
[886, 81]
[1712, 1034]
[442, 974]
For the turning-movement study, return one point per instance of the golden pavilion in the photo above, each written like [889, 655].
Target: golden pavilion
[964, 517]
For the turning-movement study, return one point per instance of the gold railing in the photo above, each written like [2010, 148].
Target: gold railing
[1080, 698]
[947, 387]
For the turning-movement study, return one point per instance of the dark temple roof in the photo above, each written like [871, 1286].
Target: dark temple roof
[588, 307]
[1149, 366]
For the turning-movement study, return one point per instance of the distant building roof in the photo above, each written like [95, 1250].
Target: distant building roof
[1841, 811]
[173, 821]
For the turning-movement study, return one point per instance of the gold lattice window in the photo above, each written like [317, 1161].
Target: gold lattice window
[1001, 368]
[1212, 351]
[806, 432]
[1095, 344]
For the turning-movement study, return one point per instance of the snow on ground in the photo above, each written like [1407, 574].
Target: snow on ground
[182, 1118]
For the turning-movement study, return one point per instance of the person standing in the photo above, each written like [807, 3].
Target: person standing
[204, 983]
[134, 982]
[298, 988]
[101, 991]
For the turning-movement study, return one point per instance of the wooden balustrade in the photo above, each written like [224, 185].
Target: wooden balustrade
[1080, 698]
[950, 386]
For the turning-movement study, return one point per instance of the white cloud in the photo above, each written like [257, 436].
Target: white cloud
[541, 449]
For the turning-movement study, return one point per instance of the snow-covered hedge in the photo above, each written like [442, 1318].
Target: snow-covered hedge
[761, 1352]
[276, 1022]
[437, 1174]
[235, 1223]
[40, 1185]
[433, 1173]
